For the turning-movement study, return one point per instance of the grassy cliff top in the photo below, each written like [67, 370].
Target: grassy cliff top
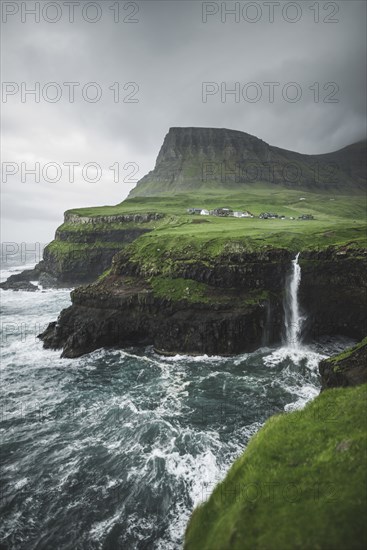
[301, 483]
[339, 219]
[256, 198]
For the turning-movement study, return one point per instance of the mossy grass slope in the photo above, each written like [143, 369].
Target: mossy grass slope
[301, 483]
[188, 290]
[339, 219]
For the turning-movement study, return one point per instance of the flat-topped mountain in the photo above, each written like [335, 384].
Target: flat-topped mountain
[193, 159]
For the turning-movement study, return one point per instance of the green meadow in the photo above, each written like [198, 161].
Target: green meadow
[339, 219]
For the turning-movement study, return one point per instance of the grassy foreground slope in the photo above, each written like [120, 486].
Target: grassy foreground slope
[301, 483]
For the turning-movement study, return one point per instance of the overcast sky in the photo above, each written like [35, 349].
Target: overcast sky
[166, 50]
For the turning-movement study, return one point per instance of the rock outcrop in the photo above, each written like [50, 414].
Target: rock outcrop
[346, 369]
[332, 292]
[120, 311]
[219, 306]
[22, 281]
[83, 249]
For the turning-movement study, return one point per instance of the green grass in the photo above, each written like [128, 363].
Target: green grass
[255, 198]
[183, 241]
[104, 275]
[347, 353]
[301, 483]
[188, 290]
[339, 219]
[179, 289]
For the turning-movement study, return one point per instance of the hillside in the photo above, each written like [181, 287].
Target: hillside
[299, 484]
[197, 159]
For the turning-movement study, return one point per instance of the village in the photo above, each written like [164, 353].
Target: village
[225, 212]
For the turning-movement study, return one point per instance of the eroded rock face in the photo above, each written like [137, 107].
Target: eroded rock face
[124, 309]
[346, 369]
[333, 292]
[75, 265]
[119, 313]
[147, 217]
[243, 270]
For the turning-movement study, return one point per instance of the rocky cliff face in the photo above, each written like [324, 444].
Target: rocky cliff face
[347, 369]
[227, 306]
[122, 312]
[333, 292]
[200, 158]
[83, 249]
[221, 308]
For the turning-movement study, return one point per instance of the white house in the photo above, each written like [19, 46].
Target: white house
[204, 212]
[245, 214]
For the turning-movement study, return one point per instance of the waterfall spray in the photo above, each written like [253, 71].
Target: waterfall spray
[293, 318]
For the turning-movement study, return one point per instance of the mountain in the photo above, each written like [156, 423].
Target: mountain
[194, 159]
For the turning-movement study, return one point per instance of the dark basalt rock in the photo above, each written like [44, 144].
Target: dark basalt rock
[116, 313]
[21, 281]
[123, 309]
[346, 369]
[19, 285]
[48, 281]
[332, 292]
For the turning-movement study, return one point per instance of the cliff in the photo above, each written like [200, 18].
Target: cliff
[83, 247]
[230, 301]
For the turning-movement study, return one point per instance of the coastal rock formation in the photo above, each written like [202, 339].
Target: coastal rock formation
[346, 369]
[83, 249]
[22, 281]
[122, 311]
[219, 306]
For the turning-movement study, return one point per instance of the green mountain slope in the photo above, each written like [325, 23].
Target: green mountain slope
[197, 159]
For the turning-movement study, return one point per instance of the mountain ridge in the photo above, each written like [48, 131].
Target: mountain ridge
[197, 158]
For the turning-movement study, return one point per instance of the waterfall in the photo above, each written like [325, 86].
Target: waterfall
[293, 318]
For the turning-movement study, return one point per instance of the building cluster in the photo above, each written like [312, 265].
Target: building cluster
[228, 212]
[270, 216]
[221, 212]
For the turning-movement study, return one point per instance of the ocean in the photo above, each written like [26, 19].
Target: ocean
[115, 449]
